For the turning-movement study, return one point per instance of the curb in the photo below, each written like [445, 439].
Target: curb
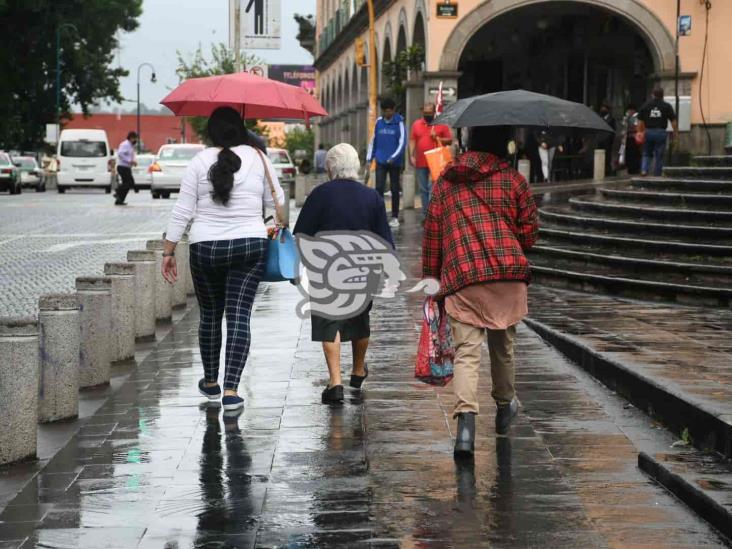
[676, 412]
[695, 498]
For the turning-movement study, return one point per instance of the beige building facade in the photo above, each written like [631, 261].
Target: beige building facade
[590, 51]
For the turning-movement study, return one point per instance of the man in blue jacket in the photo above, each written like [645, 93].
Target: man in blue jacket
[387, 148]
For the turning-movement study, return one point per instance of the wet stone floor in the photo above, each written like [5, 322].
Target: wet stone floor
[154, 467]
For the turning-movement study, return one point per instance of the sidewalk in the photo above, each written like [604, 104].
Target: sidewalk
[155, 468]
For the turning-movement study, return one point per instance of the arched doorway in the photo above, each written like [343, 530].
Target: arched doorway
[636, 45]
[385, 59]
[418, 35]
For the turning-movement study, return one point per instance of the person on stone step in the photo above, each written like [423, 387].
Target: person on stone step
[343, 204]
[480, 221]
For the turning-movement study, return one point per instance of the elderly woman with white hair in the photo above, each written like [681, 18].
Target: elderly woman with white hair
[343, 204]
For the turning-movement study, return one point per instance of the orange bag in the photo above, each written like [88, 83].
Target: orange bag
[437, 159]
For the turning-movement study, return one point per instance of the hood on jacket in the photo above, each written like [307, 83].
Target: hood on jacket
[473, 166]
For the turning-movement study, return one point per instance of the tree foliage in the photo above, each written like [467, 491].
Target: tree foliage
[28, 61]
[396, 73]
[300, 139]
[222, 61]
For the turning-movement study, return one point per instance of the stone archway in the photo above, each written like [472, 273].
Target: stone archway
[654, 32]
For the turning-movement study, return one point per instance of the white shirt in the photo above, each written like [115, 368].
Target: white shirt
[241, 217]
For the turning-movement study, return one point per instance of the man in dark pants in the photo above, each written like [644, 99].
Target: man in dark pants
[387, 148]
[125, 163]
[653, 119]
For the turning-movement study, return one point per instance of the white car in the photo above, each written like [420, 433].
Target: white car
[167, 171]
[285, 169]
[84, 160]
[143, 171]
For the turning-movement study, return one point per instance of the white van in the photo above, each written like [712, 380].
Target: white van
[84, 160]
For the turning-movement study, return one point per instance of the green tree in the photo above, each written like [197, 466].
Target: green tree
[222, 61]
[300, 139]
[28, 61]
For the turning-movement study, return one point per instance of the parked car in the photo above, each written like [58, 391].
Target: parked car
[31, 174]
[9, 175]
[84, 160]
[143, 171]
[168, 169]
[284, 167]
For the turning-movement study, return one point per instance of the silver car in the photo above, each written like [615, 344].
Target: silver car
[167, 171]
[284, 167]
[143, 171]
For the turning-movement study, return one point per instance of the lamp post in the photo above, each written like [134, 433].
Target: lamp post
[153, 79]
[61, 27]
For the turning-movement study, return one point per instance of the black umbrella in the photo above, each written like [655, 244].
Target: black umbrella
[520, 108]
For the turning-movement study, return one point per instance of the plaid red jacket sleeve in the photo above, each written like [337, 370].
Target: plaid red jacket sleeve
[432, 236]
[528, 215]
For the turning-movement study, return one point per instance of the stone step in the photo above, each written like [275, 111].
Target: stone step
[687, 232]
[683, 184]
[695, 215]
[632, 287]
[716, 201]
[678, 272]
[714, 160]
[701, 172]
[644, 245]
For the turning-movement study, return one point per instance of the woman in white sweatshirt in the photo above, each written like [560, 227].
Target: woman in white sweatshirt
[223, 191]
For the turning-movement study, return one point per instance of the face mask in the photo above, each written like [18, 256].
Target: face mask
[428, 117]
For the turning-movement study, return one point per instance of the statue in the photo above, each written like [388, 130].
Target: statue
[306, 34]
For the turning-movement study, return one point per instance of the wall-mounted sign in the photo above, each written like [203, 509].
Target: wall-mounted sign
[447, 92]
[447, 9]
[684, 25]
[259, 70]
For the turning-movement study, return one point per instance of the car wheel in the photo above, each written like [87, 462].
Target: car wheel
[166, 194]
[108, 189]
[155, 194]
[61, 190]
[40, 188]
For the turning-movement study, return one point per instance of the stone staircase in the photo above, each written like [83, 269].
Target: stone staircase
[666, 239]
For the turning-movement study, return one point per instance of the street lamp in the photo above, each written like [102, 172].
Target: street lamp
[58, 68]
[153, 79]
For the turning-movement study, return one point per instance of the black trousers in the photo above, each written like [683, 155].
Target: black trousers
[127, 183]
[382, 170]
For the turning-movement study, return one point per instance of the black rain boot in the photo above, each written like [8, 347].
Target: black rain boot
[465, 438]
[505, 415]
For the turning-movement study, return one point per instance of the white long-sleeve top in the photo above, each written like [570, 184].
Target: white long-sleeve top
[241, 217]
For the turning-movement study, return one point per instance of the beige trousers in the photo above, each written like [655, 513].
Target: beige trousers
[468, 341]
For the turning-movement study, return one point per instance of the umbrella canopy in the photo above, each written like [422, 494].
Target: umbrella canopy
[251, 95]
[520, 108]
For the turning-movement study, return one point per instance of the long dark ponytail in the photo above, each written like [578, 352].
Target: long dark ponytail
[225, 130]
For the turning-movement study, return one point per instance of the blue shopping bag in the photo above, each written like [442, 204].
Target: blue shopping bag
[282, 258]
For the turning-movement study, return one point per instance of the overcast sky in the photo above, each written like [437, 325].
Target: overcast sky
[170, 25]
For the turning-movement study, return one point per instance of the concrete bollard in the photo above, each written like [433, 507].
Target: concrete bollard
[95, 351]
[60, 340]
[300, 190]
[409, 182]
[180, 288]
[123, 309]
[598, 172]
[19, 362]
[187, 275]
[163, 290]
[144, 262]
[524, 168]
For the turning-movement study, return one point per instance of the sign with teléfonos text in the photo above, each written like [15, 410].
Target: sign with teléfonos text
[447, 9]
[302, 76]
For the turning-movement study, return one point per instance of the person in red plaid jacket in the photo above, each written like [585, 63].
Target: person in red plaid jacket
[480, 221]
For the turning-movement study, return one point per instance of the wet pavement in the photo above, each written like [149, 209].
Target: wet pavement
[153, 467]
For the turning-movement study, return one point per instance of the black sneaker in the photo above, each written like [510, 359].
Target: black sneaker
[505, 415]
[232, 403]
[357, 381]
[212, 393]
[332, 395]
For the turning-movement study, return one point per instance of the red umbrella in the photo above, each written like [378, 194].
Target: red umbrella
[251, 95]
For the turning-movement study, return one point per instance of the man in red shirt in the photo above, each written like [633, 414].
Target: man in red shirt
[424, 137]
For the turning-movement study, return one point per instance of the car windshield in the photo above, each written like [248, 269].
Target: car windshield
[84, 149]
[26, 162]
[179, 153]
[4, 159]
[278, 157]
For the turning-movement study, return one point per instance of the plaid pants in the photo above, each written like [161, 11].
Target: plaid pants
[226, 274]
